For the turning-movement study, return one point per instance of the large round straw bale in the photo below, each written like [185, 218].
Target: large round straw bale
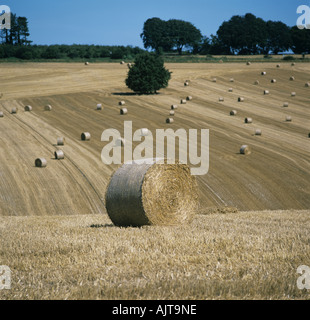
[60, 141]
[172, 113]
[14, 110]
[293, 94]
[263, 73]
[307, 85]
[248, 63]
[233, 112]
[214, 80]
[288, 119]
[59, 154]
[122, 62]
[189, 98]
[266, 92]
[285, 104]
[248, 120]
[183, 101]
[48, 107]
[1, 114]
[278, 65]
[28, 108]
[122, 103]
[256, 82]
[174, 107]
[129, 65]
[230, 90]
[186, 84]
[292, 78]
[156, 193]
[86, 63]
[232, 80]
[40, 163]
[221, 99]
[144, 132]
[85, 136]
[273, 80]
[293, 64]
[258, 132]
[240, 99]
[246, 150]
[169, 120]
[99, 106]
[123, 111]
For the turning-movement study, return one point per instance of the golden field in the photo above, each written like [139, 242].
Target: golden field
[55, 234]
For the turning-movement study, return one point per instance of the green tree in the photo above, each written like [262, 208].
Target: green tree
[279, 37]
[300, 40]
[148, 74]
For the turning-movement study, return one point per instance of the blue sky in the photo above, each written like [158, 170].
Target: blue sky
[120, 22]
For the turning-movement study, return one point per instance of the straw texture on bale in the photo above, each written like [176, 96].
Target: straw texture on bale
[240, 99]
[123, 111]
[183, 101]
[157, 194]
[48, 107]
[60, 141]
[214, 80]
[28, 108]
[266, 92]
[189, 98]
[85, 136]
[258, 132]
[248, 120]
[172, 113]
[273, 81]
[86, 63]
[288, 119]
[246, 150]
[233, 112]
[293, 94]
[14, 110]
[221, 99]
[263, 73]
[285, 105]
[40, 163]
[59, 154]
[1, 114]
[122, 103]
[169, 120]
[174, 107]
[99, 106]
[186, 84]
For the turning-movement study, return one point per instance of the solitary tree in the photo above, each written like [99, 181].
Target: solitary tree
[148, 74]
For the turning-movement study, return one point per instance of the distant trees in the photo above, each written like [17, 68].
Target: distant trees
[300, 40]
[148, 74]
[165, 36]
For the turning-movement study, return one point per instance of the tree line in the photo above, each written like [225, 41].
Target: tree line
[243, 35]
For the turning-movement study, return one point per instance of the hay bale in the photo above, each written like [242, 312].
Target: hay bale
[122, 62]
[248, 63]
[288, 119]
[169, 120]
[59, 154]
[273, 80]
[1, 114]
[186, 84]
[266, 92]
[129, 65]
[231, 80]
[183, 101]
[248, 120]
[278, 65]
[174, 106]
[256, 82]
[258, 132]
[221, 99]
[48, 107]
[230, 90]
[293, 94]
[60, 141]
[292, 78]
[285, 105]
[172, 113]
[189, 98]
[40, 163]
[263, 73]
[85, 136]
[307, 85]
[28, 108]
[86, 63]
[293, 64]
[309, 135]
[122, 103]
[233, 112]
[123, 111]
[14, 110]
[156, 193]
[240, 99]
[246, 150]
[99, 106]
[214, 80]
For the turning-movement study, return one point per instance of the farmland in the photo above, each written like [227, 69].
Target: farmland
[253, 223]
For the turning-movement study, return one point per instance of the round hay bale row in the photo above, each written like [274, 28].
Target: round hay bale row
[230, 90]
[60, 141]
[14, 110]
[28, 108]
[240, 99]
[174, 106]
[40, 163]
[266, 92]
[221, 99]
[285, 105]
[172, 113]
[1, 114]
[99, 106]
[246, 150]
[288, 119]
[159, 194]
[169, 120]
[189, 98]
[293, 94]
[233, 112]
[307, 85]
[273, 80]
[121, 103]
[183, 101]
[85, 136]
[59, 154]
[258, 132]
[123, 111]
[248, 120]
[256, 82]
[292, 78]
[48, 107]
